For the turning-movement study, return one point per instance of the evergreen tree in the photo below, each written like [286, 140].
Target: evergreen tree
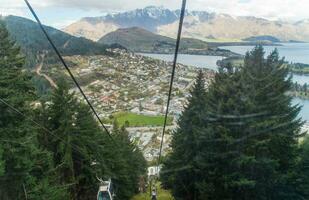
[218, 156]
[129, 166]
[191, 123]
[23, 165]
[247, 138]
[303, 169]
[275, 133]
[73, 142]
[82, 152]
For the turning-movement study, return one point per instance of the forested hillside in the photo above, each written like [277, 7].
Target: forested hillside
[54, 149]
[30, 38]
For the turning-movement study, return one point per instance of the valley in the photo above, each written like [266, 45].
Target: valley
[106, 107]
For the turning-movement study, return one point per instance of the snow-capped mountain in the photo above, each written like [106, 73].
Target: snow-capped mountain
[198, 24]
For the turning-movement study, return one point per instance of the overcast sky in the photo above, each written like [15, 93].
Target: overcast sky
[59, 13]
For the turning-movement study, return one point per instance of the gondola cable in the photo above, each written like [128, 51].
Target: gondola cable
[182, 15]
[76, 148]
[67, 68]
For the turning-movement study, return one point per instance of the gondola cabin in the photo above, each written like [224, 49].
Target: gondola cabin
[105, 191]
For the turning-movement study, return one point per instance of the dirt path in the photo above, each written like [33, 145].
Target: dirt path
[38, 72]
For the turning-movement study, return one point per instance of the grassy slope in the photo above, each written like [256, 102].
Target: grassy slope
[162, 195]
[136, 120]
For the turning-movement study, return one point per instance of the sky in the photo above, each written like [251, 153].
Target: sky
[60, 13]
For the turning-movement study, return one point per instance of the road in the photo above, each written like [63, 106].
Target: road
[149, 128]
[38, 72]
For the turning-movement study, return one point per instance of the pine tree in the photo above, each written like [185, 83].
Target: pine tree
[23, 164]
[275, 133]
[73, 142]
[303, 169]
[129, 166]
[183, 156]
[82, 151]
[252, 129]
[218, 156]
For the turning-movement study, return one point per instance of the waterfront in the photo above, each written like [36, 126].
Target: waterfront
[293, 52]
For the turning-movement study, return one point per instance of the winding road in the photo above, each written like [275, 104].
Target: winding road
[38, 72]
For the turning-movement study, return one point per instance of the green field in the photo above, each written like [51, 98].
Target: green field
[136, 120]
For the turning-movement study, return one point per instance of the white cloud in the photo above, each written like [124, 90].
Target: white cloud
[62, 24]
[271, 9]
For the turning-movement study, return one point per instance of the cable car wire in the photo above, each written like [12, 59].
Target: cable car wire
[67, 68]
[182, 15]
[36, 123]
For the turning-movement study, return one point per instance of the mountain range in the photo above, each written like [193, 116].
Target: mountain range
[208, 26]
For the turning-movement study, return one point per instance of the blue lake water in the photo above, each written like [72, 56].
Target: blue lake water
[304, 113]
[293, 52]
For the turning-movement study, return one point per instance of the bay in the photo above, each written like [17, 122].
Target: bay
[304, 113]
[295, 52]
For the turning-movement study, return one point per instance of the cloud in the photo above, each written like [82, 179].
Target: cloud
[271, 9]
[62, 24]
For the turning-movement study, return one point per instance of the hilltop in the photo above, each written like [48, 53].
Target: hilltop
[202, 25]
[141, 40]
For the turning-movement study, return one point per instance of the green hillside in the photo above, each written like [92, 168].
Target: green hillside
[30, 38]
[140, 40]
[263, 38]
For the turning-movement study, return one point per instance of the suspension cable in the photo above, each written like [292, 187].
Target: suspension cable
[67, 68]
[182, 15]
[36, 123]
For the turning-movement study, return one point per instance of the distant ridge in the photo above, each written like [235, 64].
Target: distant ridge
[198, 24]
[140, 40]
[262, 38]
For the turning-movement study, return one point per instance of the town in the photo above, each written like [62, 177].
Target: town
[132, 89]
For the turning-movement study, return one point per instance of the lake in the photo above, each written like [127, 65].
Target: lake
[304, 113]
[293, 52]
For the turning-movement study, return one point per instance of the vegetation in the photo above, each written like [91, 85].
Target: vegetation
[30, 38]
[303, 166]
[239, 139]
[162, 194]
[63, 158]
[140, 40]
[186, 136]
[25, 167]
[236, 146]
[299, 68]
[263, 38]
[299, 90]
[135, 120]
[238, 61]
